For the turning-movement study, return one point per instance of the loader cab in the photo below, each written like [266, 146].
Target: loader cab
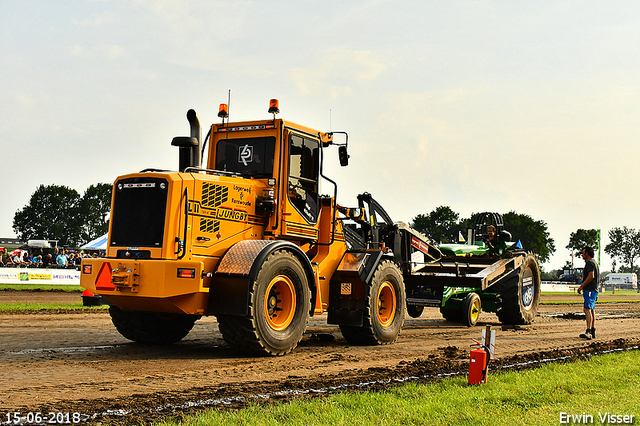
[282, 155]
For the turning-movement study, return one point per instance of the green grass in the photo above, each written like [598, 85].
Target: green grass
[41, 306]
[44, 306]
[578, 298]
[606, 383]
[621, 293]
[556, 293]
[42, 287]
[609, 293]
[580, 301]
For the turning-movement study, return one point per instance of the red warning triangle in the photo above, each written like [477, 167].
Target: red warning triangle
[103, 280]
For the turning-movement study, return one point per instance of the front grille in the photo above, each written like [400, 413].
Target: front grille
[139, 210]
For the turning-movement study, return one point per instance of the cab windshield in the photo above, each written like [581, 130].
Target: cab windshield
[250, 157]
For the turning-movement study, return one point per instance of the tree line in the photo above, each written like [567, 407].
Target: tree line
[60, 213]
[623, 247]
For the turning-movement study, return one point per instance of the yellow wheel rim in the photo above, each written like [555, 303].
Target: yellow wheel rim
[475, 310]
[386, 304]
[280, 302]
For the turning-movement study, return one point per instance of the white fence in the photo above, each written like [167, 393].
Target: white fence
[39, 276]
[556, 286]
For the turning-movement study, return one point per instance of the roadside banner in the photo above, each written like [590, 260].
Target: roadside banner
[39, 276]
[552, 286]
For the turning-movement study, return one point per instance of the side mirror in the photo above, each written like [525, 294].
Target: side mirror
[343, 156]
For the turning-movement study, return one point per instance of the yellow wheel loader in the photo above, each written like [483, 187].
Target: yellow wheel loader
[250, 238]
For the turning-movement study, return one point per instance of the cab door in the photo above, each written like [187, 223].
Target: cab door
[302, 207]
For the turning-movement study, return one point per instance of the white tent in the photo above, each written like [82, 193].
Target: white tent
[99, 243]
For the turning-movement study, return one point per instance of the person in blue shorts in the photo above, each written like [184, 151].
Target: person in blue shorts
[589, 289]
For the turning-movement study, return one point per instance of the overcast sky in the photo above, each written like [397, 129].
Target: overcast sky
[532, 106]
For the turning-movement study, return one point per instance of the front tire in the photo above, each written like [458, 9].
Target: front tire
[150, 327]
[471, 308]
[384, 309]
[279, 309]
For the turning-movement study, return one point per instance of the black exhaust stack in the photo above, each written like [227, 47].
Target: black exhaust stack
[189, 146]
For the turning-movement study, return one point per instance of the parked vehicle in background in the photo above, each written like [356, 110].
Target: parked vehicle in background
[571, 275]
[621, 281]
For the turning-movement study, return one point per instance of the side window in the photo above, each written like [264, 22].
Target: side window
[304, 166]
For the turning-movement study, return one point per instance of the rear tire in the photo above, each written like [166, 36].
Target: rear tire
[451, 316]
[150, 327]
[471, 308]
[278, 312]
[415, 311]
[384, 309]
[452, 312]
[518, 303]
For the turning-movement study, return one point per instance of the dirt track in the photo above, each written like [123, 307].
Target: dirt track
[77, 362]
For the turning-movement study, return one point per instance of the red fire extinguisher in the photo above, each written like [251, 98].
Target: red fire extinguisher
[478, 364]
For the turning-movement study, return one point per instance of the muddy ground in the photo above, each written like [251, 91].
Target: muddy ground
[75, 361]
